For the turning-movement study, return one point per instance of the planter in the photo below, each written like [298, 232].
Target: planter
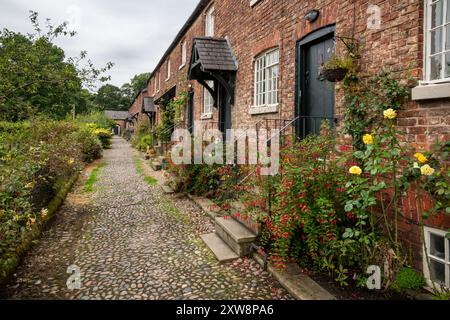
[335, 74]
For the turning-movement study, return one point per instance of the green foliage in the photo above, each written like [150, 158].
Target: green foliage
[143, 137]
[141, 171]
[37, 158]
[93, 178]
[110, 97]
[91, 148]
[37, 78]
[442, 296]
[407, 278]
[170, 116]
[98, 118]
[365, 101]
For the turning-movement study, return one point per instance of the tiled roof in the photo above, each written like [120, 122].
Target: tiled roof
[215, 54]
[117, 115]
[149, 105]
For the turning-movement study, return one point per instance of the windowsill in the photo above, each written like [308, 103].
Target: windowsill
[206, 116]
[428, 91]
[182, 66]
[254, 2]
[264, 109]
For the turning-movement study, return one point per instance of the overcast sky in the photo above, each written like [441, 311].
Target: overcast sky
[134, 34]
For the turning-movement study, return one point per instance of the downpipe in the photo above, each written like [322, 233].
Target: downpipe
[253, 249]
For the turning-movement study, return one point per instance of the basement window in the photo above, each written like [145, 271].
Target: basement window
[438, 250]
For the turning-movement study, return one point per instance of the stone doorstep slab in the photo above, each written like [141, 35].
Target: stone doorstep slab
[167, 189]
[254, 227]
[298, 284]
[205, 204]
[237, 231]
[220, 249]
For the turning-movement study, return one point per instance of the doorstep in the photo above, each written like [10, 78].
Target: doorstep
[206, 205]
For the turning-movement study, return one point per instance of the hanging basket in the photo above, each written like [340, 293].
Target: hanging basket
[335, 74]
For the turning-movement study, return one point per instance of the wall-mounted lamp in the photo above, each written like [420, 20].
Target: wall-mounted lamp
[312, 15]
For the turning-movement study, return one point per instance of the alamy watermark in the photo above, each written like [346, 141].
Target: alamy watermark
[74, 280]
[236, 147]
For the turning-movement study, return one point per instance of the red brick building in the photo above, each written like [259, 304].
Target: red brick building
[262, 58]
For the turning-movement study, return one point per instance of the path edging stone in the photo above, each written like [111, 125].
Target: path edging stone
[298, 284]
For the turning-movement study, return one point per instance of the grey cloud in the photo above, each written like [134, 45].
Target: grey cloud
[133, 34]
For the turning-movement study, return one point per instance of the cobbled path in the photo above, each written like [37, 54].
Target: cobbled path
[132, 241]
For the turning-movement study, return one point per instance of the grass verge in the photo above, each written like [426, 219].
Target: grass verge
[141, 171]
[93, 178]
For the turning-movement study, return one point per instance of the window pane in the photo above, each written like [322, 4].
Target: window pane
[436, 41]
[447, 41]
[437, 246]
[436, 14]
[437, 270]
[435, 67]
[448, 10]
[447, 65]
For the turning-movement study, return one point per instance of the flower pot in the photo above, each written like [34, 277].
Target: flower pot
[335, 74]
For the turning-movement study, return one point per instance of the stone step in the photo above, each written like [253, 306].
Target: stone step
[167, 189]
[237, 208]
[156, 165]
[220, 249]
[235, 235]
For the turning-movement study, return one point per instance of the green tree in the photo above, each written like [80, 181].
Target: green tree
[110, 97]
[37, 78]
[139, 83]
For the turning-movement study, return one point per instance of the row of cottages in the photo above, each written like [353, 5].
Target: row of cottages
[243, 61]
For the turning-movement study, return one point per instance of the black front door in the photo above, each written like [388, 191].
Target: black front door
[224, 110]
[315, 95]
[190, 112]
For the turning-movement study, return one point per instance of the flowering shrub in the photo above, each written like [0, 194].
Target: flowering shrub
[104, 136]
[36, 158]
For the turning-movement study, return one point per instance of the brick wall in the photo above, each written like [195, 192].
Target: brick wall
[396, 47]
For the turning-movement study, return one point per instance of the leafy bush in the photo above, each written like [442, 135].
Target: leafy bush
[104, 136]
[99, 119]
[37, 158]
[143, 142]
[407, 278]
[91, 148]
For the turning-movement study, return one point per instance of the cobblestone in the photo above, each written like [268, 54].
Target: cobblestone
[132, 241]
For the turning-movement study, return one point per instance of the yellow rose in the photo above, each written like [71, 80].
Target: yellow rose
[419, 156]
[30, 222]
[367, 139]
[355, 170]
[44, 212]
[29, 185]
[426, 170]
[390, 114]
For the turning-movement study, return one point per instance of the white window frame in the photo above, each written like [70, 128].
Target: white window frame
[183, 54]
[168, 69]
[159, 80]
[445, 261]
[427, 41]
[208, 102]
[209, 22]
[262, 81]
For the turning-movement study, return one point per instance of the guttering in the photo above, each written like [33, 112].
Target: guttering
[197, 11]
